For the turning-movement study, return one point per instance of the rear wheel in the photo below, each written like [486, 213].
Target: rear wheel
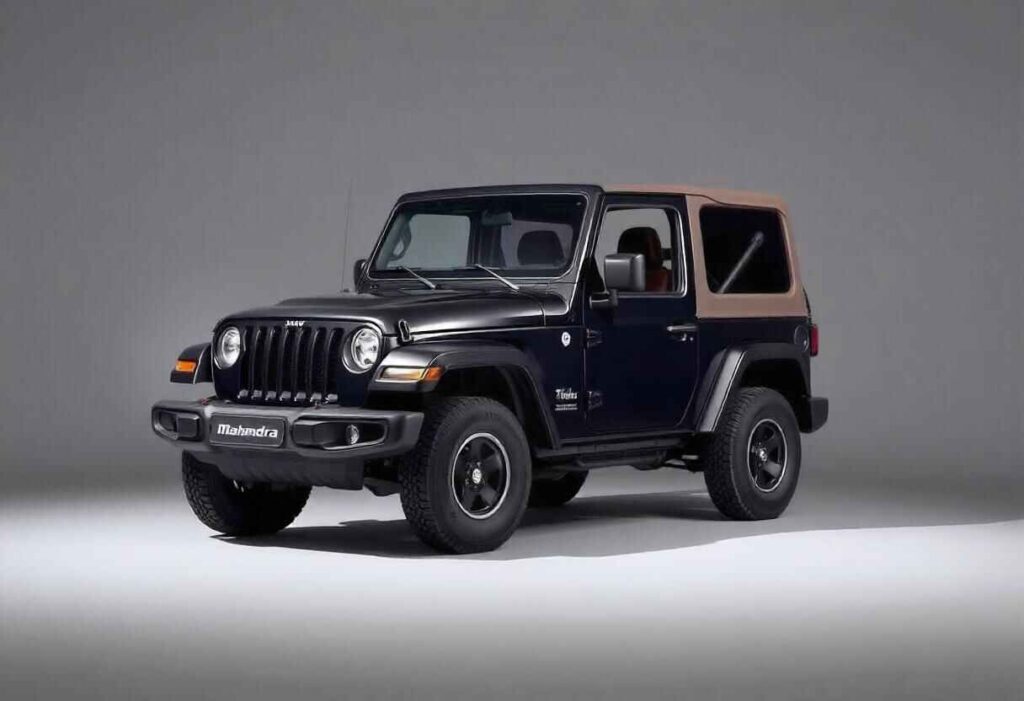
[546, 493]
[238, 510]
[753, 463]
[464, 486]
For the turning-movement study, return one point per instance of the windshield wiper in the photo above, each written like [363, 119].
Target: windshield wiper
[419, 277]
[511, 285]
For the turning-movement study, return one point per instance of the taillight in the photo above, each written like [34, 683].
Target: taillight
[814, 340]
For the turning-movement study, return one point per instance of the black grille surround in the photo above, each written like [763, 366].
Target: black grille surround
[288, 365]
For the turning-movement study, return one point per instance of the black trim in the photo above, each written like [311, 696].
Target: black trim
[620, 438]
[817, 413]
[200, 354]
[485, 190]
[622, 445]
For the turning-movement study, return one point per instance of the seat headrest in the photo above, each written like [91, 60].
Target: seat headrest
[540, 247]
[643, 239]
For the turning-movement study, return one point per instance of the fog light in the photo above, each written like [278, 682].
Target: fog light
[352, 434]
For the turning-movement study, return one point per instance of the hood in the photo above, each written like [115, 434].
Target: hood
[426, 311]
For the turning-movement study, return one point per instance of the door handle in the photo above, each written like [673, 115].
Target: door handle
[684, 332]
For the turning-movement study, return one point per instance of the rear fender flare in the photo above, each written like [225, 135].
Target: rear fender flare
[725, 377]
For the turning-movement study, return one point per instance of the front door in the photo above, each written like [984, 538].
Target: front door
[641, 356]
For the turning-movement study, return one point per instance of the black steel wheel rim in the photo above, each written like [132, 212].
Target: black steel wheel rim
[480, 475]
[767, 455]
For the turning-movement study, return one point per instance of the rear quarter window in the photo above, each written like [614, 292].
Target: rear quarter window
[728, 233]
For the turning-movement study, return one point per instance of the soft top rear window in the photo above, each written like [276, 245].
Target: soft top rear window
[744, 250]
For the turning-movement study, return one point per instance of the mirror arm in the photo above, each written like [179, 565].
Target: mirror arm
[609, 302]
[357, 272]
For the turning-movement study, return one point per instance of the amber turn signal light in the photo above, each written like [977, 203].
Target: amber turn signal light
[432, 373]
[185, 366]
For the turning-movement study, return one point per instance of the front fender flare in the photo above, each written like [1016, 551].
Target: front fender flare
[457, 355]
[203, 372]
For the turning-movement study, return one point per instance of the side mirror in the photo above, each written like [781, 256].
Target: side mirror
[357, 270]
[622, 272]
[625, 271]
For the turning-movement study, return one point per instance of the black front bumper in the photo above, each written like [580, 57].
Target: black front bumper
[313, 446]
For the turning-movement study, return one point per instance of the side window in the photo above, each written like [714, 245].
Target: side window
[647, 230]
[430, 241]
[744, 250]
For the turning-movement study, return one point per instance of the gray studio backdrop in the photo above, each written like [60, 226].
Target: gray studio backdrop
[162, 164]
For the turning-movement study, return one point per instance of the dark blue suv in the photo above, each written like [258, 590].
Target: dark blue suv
[500, 343]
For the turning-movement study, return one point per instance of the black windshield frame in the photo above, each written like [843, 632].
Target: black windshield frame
[565, 210]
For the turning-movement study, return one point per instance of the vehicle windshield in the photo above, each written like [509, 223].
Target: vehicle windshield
[521, 236]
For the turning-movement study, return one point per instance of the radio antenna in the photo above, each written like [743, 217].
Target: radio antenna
[344, 243]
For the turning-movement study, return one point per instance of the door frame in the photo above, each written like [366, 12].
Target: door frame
[682, 264]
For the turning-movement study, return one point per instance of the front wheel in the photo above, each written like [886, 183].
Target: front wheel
[753, 462]
[238, 510]
[465, 485]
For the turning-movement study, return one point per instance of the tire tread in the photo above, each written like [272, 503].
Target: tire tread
[413, 477]
[719, 476]
[252, 514]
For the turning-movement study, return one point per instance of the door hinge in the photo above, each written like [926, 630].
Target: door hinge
[594, 399]
[593, 338]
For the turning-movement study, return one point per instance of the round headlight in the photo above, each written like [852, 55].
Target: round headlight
[363, 350]
[229, 347]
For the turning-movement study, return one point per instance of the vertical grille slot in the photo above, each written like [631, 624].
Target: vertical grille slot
[330, 348]
[288, 364]
[267, 360]
[299, 365]
[282, 353]
[253, 353]
[311, 362]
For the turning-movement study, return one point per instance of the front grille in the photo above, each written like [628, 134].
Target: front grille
[289, 364]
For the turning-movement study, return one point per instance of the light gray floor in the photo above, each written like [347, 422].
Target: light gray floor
[880, 588]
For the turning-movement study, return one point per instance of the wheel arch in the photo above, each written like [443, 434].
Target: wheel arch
[198, 358]
[779, 366]
[473, 368]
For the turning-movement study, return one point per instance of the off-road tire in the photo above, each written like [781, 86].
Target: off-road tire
[232, 510]
[726, 470]
[549, 493]
[425, 476]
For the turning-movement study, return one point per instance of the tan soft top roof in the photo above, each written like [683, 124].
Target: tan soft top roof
[791, 303]
[740, 198]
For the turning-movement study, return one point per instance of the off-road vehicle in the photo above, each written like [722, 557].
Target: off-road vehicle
[499, 343]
